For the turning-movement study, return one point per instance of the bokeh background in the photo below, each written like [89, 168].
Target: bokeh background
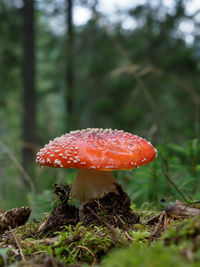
[131, 65]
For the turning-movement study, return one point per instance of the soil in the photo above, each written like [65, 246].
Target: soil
[113, 209]
[64, 214]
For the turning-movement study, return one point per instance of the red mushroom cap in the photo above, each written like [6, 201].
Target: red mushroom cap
[100, 149]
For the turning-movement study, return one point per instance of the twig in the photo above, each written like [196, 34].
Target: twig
[83, 247]
[129, 237]
[159, 225]
[99, 204]
[177, 189]
[19, 166]
[18, 243]
[152, 219]
[166, 174]
[120, 219]
[144, 211]
[170, 181]
[165, 225]
[112, 230]
[38, 252]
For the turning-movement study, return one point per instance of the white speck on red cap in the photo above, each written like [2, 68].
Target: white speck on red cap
[100, 149]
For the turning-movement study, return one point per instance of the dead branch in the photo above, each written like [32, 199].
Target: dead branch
[181, 210]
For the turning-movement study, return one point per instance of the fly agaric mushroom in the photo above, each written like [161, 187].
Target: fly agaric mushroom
[96, 153]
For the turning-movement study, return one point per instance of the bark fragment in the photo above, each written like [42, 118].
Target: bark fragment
[181, 210]
[14, 218]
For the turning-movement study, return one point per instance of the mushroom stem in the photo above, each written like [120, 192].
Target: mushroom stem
[81, 211]
[91, 184]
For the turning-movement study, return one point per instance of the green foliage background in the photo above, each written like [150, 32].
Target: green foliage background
[144, 80]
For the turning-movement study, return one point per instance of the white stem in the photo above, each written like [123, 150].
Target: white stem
[81, 211]
[91, 184]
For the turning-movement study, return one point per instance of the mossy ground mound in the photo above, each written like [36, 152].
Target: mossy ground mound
[77, 245]
[113, 209]
[155, 240]
[74, 244]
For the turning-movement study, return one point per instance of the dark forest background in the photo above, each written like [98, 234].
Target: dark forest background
[143, 80]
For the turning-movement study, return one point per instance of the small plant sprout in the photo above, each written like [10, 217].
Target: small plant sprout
[96, 153]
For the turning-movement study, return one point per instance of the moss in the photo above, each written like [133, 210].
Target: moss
[74, 243]
[145, 212]
[188, 230]
[8, 256]
[36, 247]
[186, 237]
[153, 256]
[83, 244]
[28, 230]
[179, 246]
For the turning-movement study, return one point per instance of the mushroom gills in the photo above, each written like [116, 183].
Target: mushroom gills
[91, 184]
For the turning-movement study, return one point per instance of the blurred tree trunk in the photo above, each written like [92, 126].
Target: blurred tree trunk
[70, 65]
[29, 94]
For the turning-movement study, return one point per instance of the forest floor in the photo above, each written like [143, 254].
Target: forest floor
[113, 233]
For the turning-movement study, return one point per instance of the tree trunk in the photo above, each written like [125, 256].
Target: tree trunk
[29, 94]
[69, 66]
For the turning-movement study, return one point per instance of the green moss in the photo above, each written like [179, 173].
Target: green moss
[36, 247]
[154, 256]
[186, 237]
[179, 246]
[145, 212]
[131, 248]
[82, 244]
[188, 230]
[28, 230]
[76, 243]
